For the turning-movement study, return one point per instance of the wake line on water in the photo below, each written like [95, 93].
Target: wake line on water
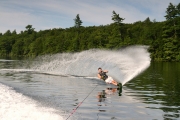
[31, 71]
[123, 65]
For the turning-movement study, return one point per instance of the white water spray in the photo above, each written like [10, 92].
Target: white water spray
[123, 64]
[16, 106]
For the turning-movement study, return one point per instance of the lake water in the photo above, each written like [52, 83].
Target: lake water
[65, 86]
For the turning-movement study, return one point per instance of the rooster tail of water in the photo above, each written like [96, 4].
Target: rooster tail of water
[123, 65]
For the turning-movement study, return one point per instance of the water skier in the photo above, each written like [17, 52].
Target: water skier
[102, 75]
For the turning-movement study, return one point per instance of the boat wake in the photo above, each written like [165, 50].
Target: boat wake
[16, 106]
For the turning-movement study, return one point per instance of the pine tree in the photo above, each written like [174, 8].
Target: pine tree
[117, 36]
[115, 17]
[77, 21]
[170, 33]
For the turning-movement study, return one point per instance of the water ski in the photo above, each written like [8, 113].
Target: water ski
[120, 88]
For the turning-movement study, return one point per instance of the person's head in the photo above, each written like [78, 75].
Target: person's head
[99, 69]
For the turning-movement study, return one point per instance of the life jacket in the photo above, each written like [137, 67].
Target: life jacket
[103, 75]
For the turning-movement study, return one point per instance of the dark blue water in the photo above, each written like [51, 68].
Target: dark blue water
[159, 88]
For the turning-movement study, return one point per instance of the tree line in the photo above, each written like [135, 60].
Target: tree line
[162, 37]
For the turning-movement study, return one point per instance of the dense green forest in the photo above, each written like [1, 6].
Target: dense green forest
[162, 37]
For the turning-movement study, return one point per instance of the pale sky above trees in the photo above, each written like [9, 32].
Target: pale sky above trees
[47, 14]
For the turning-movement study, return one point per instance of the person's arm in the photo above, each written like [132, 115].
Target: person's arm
[99, 76]
[105, 71]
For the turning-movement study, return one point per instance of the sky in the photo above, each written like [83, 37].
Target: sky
[49, 14]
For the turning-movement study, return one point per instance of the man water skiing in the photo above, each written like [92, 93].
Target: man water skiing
[102, 75]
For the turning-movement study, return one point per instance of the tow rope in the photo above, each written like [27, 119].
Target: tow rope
[74, 110]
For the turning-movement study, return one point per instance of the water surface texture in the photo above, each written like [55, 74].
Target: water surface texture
[65, 86]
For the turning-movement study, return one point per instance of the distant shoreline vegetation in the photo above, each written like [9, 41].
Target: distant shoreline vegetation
[162, 37]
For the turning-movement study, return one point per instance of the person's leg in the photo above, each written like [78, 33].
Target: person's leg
[110, 80]
[114, 82]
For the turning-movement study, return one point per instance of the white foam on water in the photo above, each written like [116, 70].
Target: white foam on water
[16, 106]
[123, 65]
